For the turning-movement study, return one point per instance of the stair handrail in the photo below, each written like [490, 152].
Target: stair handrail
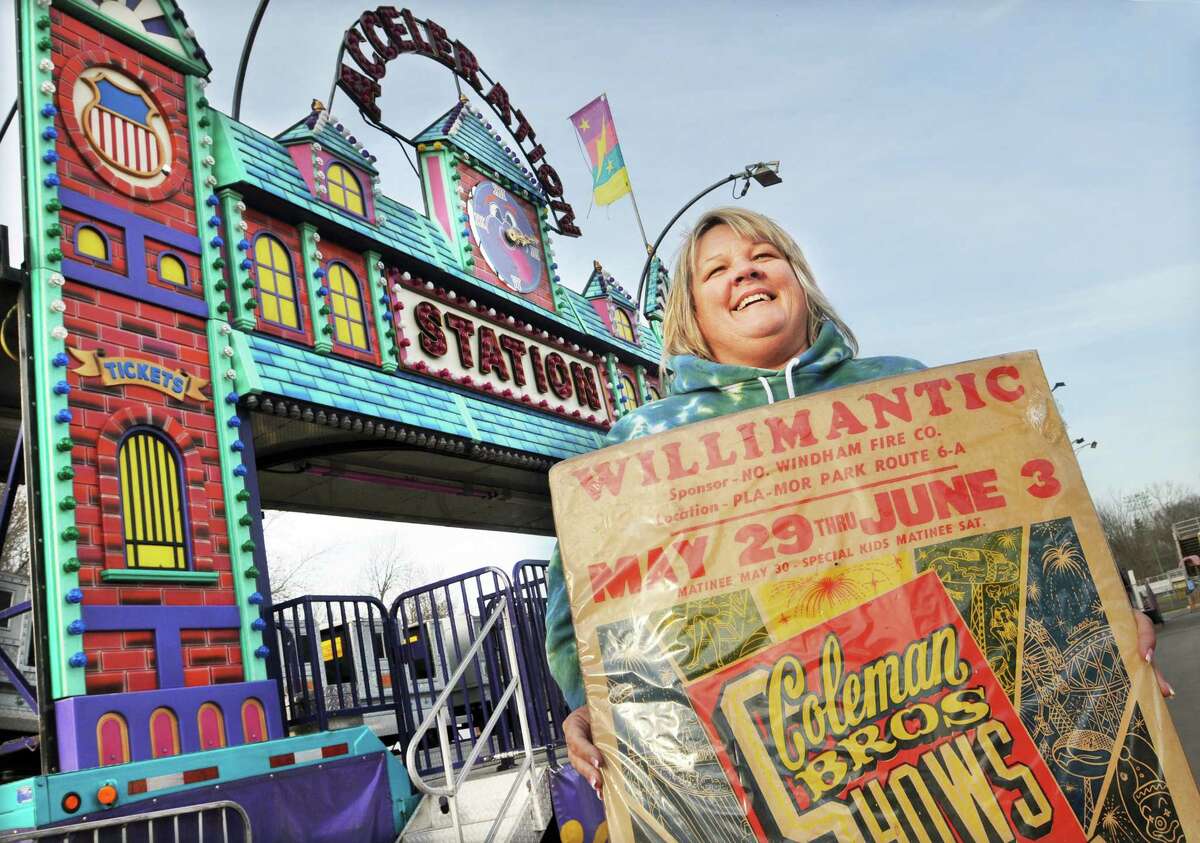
[437, 713]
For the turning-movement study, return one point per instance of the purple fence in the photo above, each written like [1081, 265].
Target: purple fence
[336, 658]
[435, 626]
[544, 701]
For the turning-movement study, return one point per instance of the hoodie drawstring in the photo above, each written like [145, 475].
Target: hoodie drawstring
[787, 377]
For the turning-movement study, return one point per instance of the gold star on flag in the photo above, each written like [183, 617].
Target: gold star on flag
[610, 166]
[584, 125]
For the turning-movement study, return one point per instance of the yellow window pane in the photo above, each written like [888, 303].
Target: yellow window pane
[358, 335]
[337, 196]
[287, 314]
[278, 256]
[171, 270]
[262, 251]
[270, 308]
[339, 305]
[355, 310]
[284, 285]
[152, 556]
[88, 242]
[266, 280]
[354, 202]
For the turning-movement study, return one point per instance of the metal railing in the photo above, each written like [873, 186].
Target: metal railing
[207, 823]
[547, 706]
[336, 657]
[438, 714]
[439, 629]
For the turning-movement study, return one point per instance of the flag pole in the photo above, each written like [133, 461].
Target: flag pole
[632, 198]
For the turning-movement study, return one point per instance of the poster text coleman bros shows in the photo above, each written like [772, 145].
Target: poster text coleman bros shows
[882, 613]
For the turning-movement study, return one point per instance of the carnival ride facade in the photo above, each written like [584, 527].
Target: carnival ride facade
[214, 321]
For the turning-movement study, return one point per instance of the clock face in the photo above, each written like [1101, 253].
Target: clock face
[509, 241]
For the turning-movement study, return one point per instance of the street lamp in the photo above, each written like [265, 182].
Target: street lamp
[766, 173]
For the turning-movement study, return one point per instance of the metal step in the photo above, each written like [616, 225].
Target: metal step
[479, 804]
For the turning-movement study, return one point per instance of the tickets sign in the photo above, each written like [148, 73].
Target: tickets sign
[136, 371]
[883, 612]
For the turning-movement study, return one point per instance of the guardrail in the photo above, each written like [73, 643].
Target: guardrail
[439, 715]
[207, 823]
[547, 706]
[336, 658]
[439, 629]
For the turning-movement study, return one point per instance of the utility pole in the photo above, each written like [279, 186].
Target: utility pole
[1141, 502]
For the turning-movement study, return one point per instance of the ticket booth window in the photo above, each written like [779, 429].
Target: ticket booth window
[153, 510]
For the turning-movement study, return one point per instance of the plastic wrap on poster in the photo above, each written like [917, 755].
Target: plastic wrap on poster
[886, 612]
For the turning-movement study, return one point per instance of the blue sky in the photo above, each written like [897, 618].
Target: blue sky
[966, 178]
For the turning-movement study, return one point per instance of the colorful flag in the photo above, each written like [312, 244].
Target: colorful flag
[594, 123]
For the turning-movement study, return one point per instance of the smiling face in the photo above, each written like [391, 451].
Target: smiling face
[748, 303]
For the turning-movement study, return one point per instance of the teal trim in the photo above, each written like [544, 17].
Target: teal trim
[204, 183]
[331, 140]
[614, 385]
[318, 305]
[235, 763]
[414, 402]
[229, 379]
[404, 800]
[183, 62]
[56, 525]
[639, 373]
[464, 128]
[379, 300]
[465, 412]
[157, 575]
[242, 289]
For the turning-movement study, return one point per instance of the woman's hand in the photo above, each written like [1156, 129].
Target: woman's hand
[581, 752]
[1146, 639]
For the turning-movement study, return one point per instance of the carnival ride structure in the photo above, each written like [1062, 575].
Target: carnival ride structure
[213, 321]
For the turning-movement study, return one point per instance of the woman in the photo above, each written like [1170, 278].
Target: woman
[745, 325]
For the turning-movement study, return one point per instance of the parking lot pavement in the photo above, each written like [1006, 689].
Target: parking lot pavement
[1178, 656]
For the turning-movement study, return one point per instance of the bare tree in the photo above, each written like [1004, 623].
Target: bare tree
[1138, 526]
[385, 573]
[14, 558]
[289, 568]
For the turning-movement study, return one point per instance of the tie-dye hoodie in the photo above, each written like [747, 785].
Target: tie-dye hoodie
[702, 389]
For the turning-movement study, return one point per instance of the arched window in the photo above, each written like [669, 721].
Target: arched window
[172, 270]
[254, 721]
[112, 739]
[654, 394]
[629, 394]
[349, 323]
[210, 723]
[153, 509]
[164, 733]
[90, 243]
[344, 189]
[621, 325]
[276, 285]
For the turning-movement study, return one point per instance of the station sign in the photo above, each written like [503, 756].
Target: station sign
[444, 336]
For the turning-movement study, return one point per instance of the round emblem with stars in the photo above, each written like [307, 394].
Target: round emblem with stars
[509, 241]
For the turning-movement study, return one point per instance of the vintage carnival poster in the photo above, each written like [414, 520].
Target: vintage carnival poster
[881, 613]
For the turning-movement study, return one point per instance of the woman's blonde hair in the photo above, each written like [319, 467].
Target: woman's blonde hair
[681, 331]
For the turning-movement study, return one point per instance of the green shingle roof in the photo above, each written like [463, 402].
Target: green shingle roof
[328, 380]
[466, 128]
[326, 133]
[247, 156]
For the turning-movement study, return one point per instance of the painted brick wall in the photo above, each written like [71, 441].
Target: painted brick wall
[77, 45]
[541, 296]
[119, 326]
[260, 223]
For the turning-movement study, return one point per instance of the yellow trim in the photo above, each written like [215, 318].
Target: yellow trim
[174, 732]
[124, 730]
[220, 725]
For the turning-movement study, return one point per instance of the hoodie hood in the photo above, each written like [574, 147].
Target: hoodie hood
[813, 365]
[702, 389]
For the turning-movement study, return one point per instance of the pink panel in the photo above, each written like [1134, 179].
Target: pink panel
[113, 743]
[212, 730]
[437, 192]
[254, 721]
[164, 734]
